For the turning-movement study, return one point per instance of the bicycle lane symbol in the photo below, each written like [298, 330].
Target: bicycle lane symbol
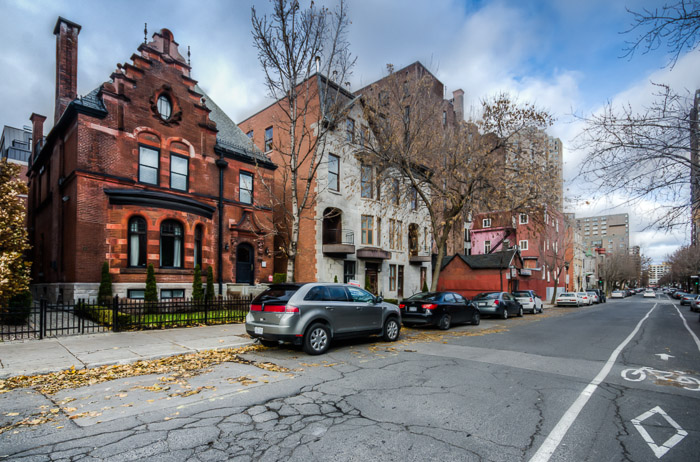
[677, 378]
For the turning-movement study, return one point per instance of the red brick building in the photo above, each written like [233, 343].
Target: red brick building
[469, 275]
[541, 239]
[144, 169]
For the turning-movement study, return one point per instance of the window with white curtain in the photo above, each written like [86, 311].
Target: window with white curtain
[137, 242]
[171, 248]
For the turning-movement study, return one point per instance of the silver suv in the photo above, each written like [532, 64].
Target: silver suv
[312, 314]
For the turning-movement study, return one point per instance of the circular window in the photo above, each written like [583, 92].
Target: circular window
[164, 107]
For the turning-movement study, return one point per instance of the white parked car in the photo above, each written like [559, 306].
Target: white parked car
[617, 294]
[568, 299]
[529, 300]
[649, 294]
[593, 296]
[585, 298]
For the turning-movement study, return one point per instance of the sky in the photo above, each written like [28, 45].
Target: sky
[566, 56]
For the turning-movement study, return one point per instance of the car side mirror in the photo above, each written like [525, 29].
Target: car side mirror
[378, 299]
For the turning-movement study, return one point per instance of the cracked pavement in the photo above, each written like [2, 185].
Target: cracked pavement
[491, 393]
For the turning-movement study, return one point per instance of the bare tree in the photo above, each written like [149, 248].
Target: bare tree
[292, 42]
[617, 270]
[645, 154]
[685, 262]
[454, 169]
[677, 24]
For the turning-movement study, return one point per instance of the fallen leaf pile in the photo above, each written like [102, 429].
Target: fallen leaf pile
[181, 366]
[34, 419]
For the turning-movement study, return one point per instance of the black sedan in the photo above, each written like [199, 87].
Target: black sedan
[501, 304]
[441, 309]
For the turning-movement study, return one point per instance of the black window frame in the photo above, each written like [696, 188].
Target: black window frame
[350, 130]
[337, 173]
[176, 265]
[157, 168]
[187, 175]
[143, 241]
[241, 174]
[130, 292]
[198, 239]
[347, 266]
[268, 140]
[171, 297]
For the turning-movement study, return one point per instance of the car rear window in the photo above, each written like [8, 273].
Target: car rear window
[568, 294]
[428, 296]
[521, 294]
[277, 293]
[487, 296]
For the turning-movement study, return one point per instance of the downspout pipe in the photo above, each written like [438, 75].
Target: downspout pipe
[222, 165]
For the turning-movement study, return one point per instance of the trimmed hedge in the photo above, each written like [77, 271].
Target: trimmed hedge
[101, 314]
[18, 309]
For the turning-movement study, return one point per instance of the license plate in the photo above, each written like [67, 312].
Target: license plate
[411, 308]
[259, 330]
[482, 304]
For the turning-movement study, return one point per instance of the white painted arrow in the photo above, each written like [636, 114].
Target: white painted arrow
[664, 356]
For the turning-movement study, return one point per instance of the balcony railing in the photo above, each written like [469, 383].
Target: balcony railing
[338, 241]
[338, 236]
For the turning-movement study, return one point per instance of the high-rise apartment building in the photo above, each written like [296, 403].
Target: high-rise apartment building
[609, 232]
[656, 272]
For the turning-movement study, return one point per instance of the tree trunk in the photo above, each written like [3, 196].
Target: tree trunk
[440, 257]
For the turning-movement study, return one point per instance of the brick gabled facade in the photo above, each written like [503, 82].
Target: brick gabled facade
[145, 169]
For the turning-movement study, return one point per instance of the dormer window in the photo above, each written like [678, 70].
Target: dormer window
[165, 108]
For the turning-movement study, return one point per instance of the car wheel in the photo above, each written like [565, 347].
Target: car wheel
[391, 330]
[444, 322]
[476, 318]
[317, 339]
[505, 313]
[520, 312]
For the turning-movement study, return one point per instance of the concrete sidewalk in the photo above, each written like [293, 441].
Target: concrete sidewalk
[83, 351]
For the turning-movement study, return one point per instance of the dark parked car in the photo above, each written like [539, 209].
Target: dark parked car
[313, 314]
[441, 309]
[501, 304]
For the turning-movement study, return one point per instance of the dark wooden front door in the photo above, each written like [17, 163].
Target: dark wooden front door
[244, 264]
[371, 273]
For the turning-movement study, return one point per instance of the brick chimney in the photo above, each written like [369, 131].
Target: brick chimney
[37, 132]
[458, 104]
[66, 33]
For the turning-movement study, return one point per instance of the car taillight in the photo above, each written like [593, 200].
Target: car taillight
[496, 302]
[429, 306]
[531, 299]
[255, 307]
[281, 309]
[402, 306]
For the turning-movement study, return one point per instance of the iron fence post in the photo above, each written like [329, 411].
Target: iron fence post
[206, 311]
[42, 317]
[115, 312]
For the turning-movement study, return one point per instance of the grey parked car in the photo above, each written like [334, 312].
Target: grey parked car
[312, 314]
[499, 304]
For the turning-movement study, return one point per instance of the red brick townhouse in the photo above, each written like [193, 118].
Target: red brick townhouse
[144, 169]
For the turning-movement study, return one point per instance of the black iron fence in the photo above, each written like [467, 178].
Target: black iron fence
[44, 319]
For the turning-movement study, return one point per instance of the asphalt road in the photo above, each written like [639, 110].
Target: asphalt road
[618, 381]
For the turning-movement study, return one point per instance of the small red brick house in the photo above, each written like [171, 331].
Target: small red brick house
[469, 275]
[145, 169]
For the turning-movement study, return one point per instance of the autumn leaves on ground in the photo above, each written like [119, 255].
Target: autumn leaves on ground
[176, 370]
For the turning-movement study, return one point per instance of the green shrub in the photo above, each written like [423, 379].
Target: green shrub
[395, 301]
[210, 283]
[197, 290]
[103, 315]
[18, 309]
[368, 288]
[279, 278]
[104, 294]
[425, 286]
[151, 294]
[335, 278]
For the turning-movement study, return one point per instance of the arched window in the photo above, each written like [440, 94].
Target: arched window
[171, 244]
[198, 246]
[137, 242]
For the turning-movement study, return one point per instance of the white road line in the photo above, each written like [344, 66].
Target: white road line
[559, 431]
[695, 337]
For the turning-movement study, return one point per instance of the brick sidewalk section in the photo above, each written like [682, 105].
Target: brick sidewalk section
[84, 351]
